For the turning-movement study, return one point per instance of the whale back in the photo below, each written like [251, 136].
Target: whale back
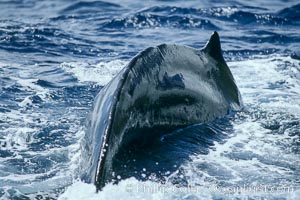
[173, 86]
[162, 89]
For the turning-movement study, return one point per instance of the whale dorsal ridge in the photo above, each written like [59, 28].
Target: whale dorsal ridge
[213, 47]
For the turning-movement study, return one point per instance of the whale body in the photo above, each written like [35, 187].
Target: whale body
[162, 89]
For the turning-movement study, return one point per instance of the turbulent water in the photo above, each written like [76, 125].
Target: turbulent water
[56, 55]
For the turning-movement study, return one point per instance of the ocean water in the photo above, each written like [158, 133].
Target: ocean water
[55, 56]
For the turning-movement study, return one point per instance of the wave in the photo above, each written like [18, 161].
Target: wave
[177, 17]
[291, 13]
[41, 39]
[90, 6]
[147, 20]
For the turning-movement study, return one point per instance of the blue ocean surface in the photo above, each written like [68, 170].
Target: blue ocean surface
[55, 56]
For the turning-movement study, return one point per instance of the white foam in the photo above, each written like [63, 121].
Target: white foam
[29, 84]
[18, 138]
[75, 154]
[255, 76]
[130, 189]
[101, 73]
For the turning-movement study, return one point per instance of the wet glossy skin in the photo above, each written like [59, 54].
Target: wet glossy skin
[162, 89]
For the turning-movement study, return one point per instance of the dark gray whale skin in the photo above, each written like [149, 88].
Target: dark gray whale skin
[162, 88]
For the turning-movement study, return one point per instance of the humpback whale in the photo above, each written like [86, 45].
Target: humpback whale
[162, 89]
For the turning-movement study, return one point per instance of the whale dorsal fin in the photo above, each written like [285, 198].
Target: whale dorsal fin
[213, 47]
